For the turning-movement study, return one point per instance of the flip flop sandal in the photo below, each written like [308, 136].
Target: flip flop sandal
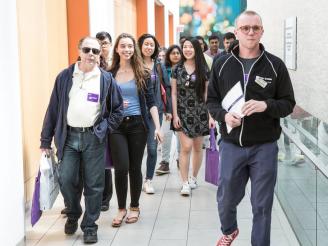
[118, 222]
[133, 219]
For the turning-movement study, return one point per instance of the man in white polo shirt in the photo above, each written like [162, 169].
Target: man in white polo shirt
[84, 107]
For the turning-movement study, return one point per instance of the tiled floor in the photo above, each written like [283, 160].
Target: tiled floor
[166, 219]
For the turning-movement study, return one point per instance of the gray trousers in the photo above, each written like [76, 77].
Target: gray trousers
[238, 164]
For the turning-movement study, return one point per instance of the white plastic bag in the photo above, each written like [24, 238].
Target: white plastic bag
[49, 186]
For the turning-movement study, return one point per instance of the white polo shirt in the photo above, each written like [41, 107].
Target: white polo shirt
[84, 98]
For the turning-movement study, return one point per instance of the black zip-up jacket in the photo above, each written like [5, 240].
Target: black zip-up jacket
[55, 120]
[278, 94]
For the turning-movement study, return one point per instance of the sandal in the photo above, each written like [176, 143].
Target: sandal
[117, 222]
[133, 219]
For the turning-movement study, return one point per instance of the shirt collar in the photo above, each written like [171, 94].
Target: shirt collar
[94, 72]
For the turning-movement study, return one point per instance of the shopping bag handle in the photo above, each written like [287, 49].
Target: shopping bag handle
[212, 139]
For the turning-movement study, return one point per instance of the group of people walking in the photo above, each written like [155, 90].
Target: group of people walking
[119, 102]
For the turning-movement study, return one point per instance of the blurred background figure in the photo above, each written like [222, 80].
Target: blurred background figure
[204, 47]
[161, 54]
[106, 44]
[172, 57]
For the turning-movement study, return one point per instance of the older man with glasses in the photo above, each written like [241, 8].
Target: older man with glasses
[248, 149]
[85, 105]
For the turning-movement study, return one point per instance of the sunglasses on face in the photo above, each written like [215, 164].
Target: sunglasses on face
[86, 50]
[247, 29]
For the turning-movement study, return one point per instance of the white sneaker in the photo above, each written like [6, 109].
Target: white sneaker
[185, 190]
[298, 159]
[148, 187]
[193, 182]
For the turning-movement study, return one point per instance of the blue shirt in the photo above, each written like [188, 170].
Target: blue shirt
[130, 95]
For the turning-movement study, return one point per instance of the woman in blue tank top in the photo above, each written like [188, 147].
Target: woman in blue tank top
[129, 140]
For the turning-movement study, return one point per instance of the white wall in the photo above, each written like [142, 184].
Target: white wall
[310, 80]
[11, 162]
[172, 7]
[101, 17]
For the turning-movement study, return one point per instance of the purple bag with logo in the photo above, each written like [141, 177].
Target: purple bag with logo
[108, 157]
[35, 210]
[212, 161]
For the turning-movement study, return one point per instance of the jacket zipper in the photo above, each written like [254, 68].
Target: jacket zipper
[104, 102]
[245, 86]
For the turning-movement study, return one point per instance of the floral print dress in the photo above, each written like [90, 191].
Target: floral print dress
[192, 112]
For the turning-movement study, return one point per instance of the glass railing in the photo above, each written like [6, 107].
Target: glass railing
[302, 184]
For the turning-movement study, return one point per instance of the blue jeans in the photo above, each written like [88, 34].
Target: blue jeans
[238, 164]
[152, 148]
[84, 151]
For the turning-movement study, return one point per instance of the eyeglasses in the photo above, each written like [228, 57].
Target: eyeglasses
[86, 50]
[105, 43]
[246, 29]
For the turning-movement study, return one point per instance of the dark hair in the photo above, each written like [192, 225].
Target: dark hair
[162, 49]
[141, 40]
[233, 45]
[205, 44]
[140, 71]
[201, 67]
[182, 37]
[168, 62]
[102, 35]
[229, 35]
[213, 36]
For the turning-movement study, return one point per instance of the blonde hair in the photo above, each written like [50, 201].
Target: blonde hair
[247, 12]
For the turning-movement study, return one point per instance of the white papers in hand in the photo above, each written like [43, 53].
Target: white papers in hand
[234, 101]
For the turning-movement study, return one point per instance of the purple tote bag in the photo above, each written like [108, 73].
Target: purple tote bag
[212, 161]
[35, 211]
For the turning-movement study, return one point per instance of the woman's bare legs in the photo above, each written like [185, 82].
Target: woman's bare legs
[197, 155]
[186, 144]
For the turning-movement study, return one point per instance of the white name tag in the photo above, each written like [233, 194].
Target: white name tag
[260, 81]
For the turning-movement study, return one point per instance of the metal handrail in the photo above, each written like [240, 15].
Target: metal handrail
[320, 165]
[308, 135]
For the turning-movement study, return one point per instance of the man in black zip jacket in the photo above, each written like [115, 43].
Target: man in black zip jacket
[85, 105]
[249, 135]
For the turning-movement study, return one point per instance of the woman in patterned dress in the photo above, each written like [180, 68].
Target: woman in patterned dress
[190, 116]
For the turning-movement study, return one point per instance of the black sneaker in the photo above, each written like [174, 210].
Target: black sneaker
[104, 207]
[70, 226]
[90, 237]
[163, 168]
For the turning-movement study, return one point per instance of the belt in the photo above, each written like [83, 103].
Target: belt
[131, 117]
[80, 129]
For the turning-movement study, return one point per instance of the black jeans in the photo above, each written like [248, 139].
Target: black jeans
[83, 155]
[127, 148]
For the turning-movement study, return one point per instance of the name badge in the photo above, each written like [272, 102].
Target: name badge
[92, 97]
[260, 81]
